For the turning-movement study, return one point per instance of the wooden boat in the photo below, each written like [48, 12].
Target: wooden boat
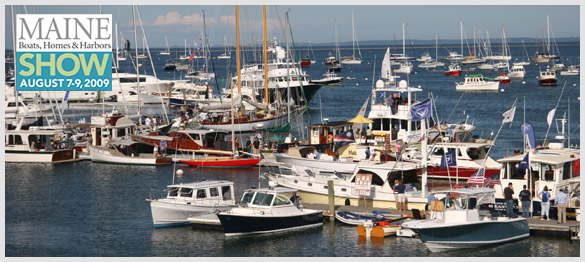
[222, 162]
[125, 152]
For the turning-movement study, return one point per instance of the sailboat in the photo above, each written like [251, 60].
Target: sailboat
[143, 55]
[332, 60]
[226, 52]
[167, 49]
[352, 60]
[405, 66]
[386, 72]
[435, 63]
[525, 58]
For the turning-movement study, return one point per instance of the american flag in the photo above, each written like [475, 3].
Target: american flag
[477, 178]
[493, 180]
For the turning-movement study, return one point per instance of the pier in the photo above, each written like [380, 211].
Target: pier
[571, 229]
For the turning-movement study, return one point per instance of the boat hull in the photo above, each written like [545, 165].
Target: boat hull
[548, 82]
[170, 214]
[223, 163]
[470, 235]
[454, 172]
[452, 73]
[58, 156]
[491, 86]
[105, 156]
[343, 167]
[256, 224]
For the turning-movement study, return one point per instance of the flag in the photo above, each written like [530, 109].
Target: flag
[577, 167]
[64, 103]
[448, 159]
[421, 110]
[382, 95]
[477, 178]
[362, 112]
[524, 163]
[494, 179]
[550, 116]
[528, 130]
[449, 131]
[344, 138]
[192, 56]
[509, 115]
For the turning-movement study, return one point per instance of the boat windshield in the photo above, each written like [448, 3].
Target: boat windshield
[247, 198]
[263, 199]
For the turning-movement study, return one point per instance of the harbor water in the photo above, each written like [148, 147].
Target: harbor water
[86, 209]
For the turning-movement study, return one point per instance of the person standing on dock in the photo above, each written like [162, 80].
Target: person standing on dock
[368, 153]
[508, 197]
[544, 196]
[399, 189]
[561, 204]
[524, 196]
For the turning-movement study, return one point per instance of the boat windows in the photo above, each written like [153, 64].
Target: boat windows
[516, 173]
[281, 200]
[188, 192]
[247, 199]
[475, 153]
[14, 140]
[438, 151]
[226, 192]
[201, 194]
[263, 199]
[547, 172]
[213, 192]
[567, 170]
[173, 192]
[131, 79]
[195, 137]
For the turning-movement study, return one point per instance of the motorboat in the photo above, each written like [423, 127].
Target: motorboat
[195, 202]
[572, 70]
[547, 78]
[503, 79]
[424, 57]
[477, 82]
[268, 211]
[471, 157]
[222, 162]
[517, 72]
[39, 145]
[127, 152]
[468, 223]
[404, 68]
[298, 156]
[313, 183]
[329, 78]
[453, 70]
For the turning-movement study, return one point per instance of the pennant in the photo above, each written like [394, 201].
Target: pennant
[344, 138]
[362, 112]
[448, 159]
[509, 115]
[64, 103]
[550, 116]
[524, 163]
[477, 178]
[421, 110]
[528, 132]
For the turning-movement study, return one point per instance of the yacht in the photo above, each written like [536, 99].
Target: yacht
[517, 72]
[477, 82]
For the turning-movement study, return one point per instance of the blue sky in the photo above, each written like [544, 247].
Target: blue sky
[316, 23]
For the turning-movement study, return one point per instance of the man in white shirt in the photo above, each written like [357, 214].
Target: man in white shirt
[310, 155]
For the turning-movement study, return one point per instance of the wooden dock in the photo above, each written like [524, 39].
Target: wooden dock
[571, 229]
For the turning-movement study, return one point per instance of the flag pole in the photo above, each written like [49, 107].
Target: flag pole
[553, 112]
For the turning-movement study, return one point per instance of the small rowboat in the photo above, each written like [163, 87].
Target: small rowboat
[381, 229]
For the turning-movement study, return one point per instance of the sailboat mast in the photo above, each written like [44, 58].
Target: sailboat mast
[352, 35]
[547, 35]
[238, 49]
[117, 52]
[461, 34]
[403, 42]
[14, 55]
[137, 63]
[337, 55]
[266, 61]
[232, 118]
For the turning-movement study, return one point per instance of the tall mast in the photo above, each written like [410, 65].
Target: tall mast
[352, 35]
[547, 35]
[266, 62]
[137, 63]
[205, 49]
[461, 34]
[403, 42]
[238, 48]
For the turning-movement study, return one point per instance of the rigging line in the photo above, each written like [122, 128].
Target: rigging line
[452, 111]
[556, 106]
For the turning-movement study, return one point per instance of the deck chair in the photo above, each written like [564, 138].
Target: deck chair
[437, 208]
[416, 214]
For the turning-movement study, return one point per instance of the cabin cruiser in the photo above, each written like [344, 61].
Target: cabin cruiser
[517, 72]
[467, 223]
[268, 211]
[471, 157]
[299, 156]
[196, 202]
[547, 78]
[477, 82]
[313, 183]
[40, 145]
[329, 78]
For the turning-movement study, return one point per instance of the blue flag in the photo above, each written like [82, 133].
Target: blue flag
[449, 159]
[528, 130]
[524, 164]
[344, 138]
[421, 110]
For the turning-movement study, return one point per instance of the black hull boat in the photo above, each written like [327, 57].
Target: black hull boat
[267, 211]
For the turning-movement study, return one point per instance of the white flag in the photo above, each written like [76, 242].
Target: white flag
[509, 115]
[362, 112]
[551, 115]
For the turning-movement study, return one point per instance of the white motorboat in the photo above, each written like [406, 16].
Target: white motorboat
[468, 223]
[196, 202]
[329, 78]
[404, 68]
[298, 156]
[572, 70]
[517, 72]
[39, 145]
[17, 107]
[126, 152]
[477, 82]
[425, 57]
[267, 211]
